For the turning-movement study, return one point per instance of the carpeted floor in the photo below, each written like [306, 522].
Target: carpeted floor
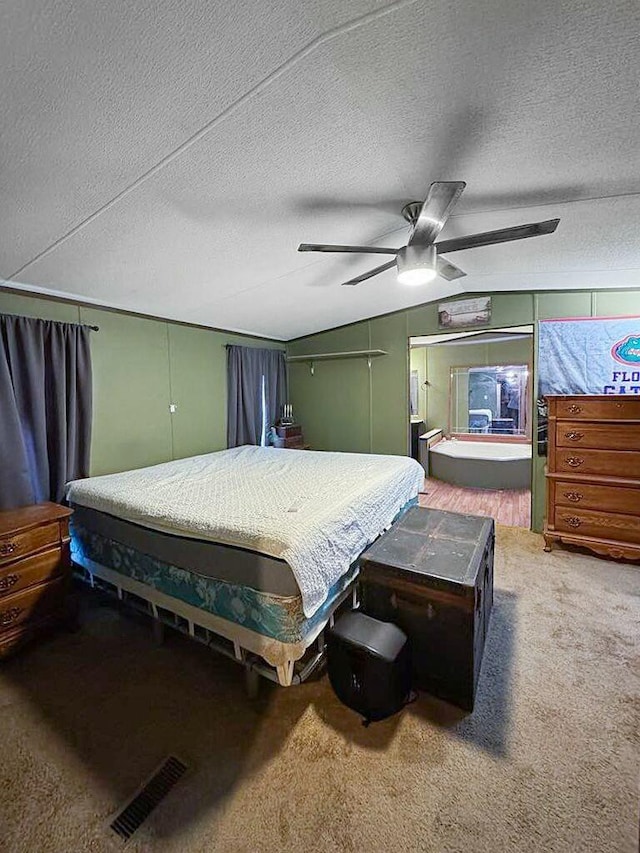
[547, 762]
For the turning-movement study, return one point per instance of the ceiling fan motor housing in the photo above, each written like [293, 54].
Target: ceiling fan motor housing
[414, 258]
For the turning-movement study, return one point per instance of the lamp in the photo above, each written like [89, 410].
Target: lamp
[416, 264]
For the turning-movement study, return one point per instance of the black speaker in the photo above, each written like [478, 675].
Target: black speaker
[369, 665]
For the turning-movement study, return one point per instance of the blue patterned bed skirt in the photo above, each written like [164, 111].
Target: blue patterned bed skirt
[279, 617]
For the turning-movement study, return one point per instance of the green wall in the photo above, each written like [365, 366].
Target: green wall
[140, 367]
[442, 357]
[348, 406]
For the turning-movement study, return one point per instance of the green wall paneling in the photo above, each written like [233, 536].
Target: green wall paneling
[198, 365]
[390, 385]
[507, 309]
[511, 309]
[131, 421]
[538, 482]
[423, 320]
[616, 303]
[333, 404]
[197, 361]
[42, 309]
[552, 305]
[354, 337]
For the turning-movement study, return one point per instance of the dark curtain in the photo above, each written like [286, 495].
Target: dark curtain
[245, 368]
[45, 409]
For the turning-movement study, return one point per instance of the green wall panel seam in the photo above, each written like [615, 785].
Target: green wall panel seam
[169, 369]
[370, 390]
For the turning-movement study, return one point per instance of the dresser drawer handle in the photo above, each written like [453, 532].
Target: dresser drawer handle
[573, 435]
[573, 520]
[7, 548]
[575, 410]
[574, 461]
[8, 581]
[9, 616]
[574, 497]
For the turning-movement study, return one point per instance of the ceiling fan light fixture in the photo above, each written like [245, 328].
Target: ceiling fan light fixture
[416, 265]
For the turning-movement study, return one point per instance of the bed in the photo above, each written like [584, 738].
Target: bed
[250, 550]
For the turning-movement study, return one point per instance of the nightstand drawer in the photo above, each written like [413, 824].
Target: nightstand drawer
[12, 547]
[31, 604]
[31, 570]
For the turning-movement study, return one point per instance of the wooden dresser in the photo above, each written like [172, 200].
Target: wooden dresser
[593, 474]
[34, 571]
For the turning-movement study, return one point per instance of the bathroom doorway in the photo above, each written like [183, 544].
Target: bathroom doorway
[471, 412]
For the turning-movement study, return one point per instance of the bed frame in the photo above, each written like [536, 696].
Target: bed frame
[209, 629]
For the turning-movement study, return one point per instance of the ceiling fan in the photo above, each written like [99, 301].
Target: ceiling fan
[421, 260]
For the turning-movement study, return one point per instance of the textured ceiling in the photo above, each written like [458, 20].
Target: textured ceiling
[168, 157]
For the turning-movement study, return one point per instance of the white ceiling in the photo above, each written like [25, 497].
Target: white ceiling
[168, 157]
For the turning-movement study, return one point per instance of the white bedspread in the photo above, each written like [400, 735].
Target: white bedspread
[317, 511]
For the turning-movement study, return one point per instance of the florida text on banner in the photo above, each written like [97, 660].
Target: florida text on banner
[590, 356]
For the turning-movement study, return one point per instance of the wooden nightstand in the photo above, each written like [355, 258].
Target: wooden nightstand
[35, 569]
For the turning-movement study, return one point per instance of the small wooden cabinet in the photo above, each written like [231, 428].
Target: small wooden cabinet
[290, 435]
[593, 474]
[35, 568]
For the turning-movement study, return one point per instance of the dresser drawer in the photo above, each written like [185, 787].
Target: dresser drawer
[31, 604]
[591, 496]
[12, 547]
[604, 525]
[601, 435]
[590, 408]
[613, 463]
[31, 570]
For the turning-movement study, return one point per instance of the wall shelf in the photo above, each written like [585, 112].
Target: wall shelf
[322, 356]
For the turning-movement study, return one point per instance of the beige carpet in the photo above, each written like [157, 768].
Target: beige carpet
[547, 762]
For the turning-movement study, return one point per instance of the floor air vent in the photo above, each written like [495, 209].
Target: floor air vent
[145, 801]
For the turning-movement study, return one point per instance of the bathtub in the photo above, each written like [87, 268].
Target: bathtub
[481, 464]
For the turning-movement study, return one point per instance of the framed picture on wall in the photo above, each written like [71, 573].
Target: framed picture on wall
[464, 313]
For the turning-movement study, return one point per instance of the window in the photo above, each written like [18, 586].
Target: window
[490, 400]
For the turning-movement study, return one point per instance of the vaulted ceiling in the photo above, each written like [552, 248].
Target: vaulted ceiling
[168, 157]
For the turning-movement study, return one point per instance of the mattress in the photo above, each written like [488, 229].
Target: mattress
[314, 511]
[208, 559]
[264, 613]
[277, 617]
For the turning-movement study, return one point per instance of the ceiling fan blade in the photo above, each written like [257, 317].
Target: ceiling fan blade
[439, 203]
[502, 235]
[370, 274]
[325, 247]
[448, 270]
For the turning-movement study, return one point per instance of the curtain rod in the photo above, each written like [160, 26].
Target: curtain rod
[94, 328]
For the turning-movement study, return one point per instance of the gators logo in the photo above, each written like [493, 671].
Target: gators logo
[627, 351]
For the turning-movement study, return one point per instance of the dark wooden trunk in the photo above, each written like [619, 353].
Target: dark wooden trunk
[432, 575]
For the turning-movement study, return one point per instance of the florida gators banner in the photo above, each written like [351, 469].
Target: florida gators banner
[589, 356]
